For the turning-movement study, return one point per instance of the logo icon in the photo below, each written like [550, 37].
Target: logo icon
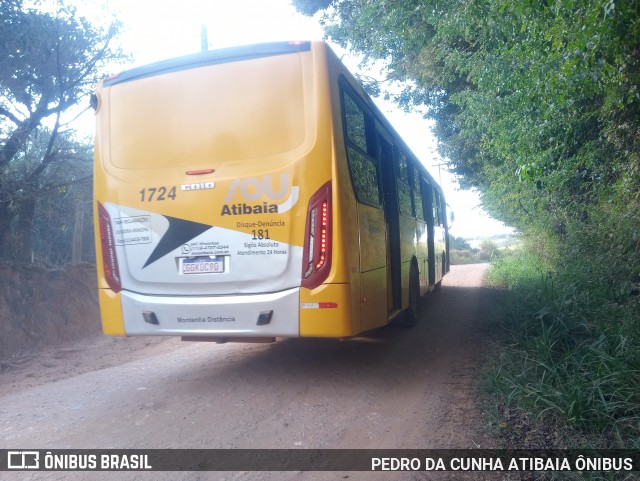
[252, 189]
[23, 460]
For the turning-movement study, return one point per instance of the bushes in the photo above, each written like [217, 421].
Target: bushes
[471, 256]
[573, 355]
[462, 253]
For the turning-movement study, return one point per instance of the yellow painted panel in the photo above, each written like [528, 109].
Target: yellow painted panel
[372, 229]
[407, 238]
[333, 322]
[439, 248]
[231, 111]
[424, 275]
[374, 299]
[404, 280]
[111, 313]
[421, 240]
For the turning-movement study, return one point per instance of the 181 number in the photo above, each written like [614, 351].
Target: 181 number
[260, 234]
[149, 194]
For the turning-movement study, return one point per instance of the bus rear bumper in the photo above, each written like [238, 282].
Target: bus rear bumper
[256, 315]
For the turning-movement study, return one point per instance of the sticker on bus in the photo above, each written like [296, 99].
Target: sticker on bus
[202, 265]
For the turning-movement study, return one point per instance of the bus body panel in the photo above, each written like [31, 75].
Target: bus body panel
[372, 237]
[111, 312]
[408, 251]
[349, 243]
[374, 299]
[440, 252]
[232, 316]
[327, 312]
[224, 115]
[422, 255]
[373, 269]
[408, 238]
[163, 255]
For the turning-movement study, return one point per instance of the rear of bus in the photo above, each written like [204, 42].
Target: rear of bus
[214, 197]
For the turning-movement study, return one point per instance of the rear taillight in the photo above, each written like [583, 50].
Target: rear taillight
[108, 243]
[316, 256]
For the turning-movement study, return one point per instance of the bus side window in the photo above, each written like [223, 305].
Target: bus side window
[426, 197]
[442, 210]
[436, 207]
[362, 165]
[404, 191]
[417, 195]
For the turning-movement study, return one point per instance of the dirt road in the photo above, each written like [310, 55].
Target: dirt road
[395, 388]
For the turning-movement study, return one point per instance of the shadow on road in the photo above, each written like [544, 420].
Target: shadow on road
[451, 332]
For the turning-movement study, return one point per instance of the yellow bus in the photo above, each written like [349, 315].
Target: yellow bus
[257, 192]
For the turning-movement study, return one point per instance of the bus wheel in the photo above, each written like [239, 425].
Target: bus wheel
[412, 312]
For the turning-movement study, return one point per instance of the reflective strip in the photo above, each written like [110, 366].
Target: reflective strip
[319, 305]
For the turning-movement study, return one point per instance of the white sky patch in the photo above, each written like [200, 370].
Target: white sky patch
[157, 29]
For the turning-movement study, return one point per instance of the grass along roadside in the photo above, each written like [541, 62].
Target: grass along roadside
[568, 364]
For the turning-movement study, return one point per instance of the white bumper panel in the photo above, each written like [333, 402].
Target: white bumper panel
[220, 316]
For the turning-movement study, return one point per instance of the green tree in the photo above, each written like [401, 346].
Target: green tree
[50, 64]
[487, 249]
[535, 103]
[458, 243]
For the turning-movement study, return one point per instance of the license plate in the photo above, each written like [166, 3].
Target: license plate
[202, 265]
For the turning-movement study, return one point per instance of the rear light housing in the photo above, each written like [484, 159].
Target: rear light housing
[316, 256]
[108, 243]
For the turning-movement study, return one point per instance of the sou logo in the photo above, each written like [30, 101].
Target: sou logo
[253, 189]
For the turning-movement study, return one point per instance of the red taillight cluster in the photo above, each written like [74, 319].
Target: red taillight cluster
[108, 243]
[317, 240]
[323, 234]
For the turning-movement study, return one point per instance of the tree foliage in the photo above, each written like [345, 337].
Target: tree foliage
[50, 63]
[458, 243]
[536, 103]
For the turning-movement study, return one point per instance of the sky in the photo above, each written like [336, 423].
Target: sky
[160, 29]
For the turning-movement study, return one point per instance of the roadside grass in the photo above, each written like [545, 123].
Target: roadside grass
[567, 361]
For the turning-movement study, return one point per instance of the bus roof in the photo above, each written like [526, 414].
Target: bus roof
[209, 57]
